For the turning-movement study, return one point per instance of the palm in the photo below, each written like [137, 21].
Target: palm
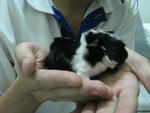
[124, 81]
[125, 86]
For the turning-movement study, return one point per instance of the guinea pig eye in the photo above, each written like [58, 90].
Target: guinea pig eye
[113, 49]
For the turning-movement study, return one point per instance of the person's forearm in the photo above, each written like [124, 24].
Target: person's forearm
[14, 100]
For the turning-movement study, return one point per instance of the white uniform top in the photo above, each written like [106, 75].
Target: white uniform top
[38, 21]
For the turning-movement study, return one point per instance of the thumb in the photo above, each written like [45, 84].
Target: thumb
[140, 67]
[26, 58]
[28, 66]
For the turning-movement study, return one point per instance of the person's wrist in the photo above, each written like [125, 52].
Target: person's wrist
[15, 96]
[24, 94]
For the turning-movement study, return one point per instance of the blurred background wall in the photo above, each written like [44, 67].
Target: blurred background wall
[144, 8]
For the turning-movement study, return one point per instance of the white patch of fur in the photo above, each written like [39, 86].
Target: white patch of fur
[109, 63]
[83, 68]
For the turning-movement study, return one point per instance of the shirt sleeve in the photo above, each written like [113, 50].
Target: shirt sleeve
[126, 29]
[7, 47]
[7, 71]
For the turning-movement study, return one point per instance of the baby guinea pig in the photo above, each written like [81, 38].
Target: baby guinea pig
[96, 52]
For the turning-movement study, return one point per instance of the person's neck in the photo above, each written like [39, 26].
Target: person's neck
[70, 6]
[73, 11]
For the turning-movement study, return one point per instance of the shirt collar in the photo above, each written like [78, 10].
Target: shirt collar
[110, 5]
[46, 5]
[41, 5]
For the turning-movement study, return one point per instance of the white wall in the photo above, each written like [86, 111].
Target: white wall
[144, 8]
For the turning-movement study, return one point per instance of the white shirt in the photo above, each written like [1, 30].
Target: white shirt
[33, 21]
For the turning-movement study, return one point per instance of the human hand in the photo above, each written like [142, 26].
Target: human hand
[53, 85]
[140, 66]
[125, 86]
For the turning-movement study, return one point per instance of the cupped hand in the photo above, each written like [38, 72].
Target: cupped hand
[140, 66]
[125, 86]
[53, 85]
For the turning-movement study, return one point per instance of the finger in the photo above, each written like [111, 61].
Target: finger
[127, 104]
[140, 66]
[24, 50]
[26, 58]
[128, 98]
[90, 90]
[89, 108]
[76, 94]
[78, 108]
[28, 66]
[57, 78]
[107, 106]
[127, 93]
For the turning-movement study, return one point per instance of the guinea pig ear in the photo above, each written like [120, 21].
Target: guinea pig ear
[90, 37]
[121, 44]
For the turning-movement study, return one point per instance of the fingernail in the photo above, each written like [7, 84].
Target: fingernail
[74, 82]
[110, 92]
[24, 62]
[95, 93]
[69, 84]
[28, 66]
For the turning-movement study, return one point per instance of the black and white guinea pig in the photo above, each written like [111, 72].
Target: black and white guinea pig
[96, 52]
